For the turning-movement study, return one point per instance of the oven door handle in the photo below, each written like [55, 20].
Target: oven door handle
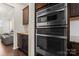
[46, 13]
[51, 26]
[63, 37]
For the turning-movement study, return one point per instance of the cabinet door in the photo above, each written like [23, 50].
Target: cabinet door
[74, 9]
[19, 41]
[25, 15]
[77, 9]
[40, 6]
[69, 10]
[25, 43]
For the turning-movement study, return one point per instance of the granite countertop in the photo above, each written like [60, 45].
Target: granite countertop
[23, 33]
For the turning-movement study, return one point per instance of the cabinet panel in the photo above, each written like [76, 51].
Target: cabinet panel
[23, 42]
[74, 9]
[25, 15]
[19, 41]
[40, 6]
[69, 10]
[77, 9]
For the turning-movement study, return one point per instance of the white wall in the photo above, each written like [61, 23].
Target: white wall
[18, 21]
[6, 26]
[1, 26]
[6, 13]
[31, 29]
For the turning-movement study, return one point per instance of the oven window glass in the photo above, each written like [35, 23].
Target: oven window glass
[52, 45]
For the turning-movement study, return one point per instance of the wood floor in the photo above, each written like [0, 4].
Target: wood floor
[8, 51]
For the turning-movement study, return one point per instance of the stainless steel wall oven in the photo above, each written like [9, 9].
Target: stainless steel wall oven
[51, 30]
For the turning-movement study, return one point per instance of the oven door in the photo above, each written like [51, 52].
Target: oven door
[51, 46]
[53, 30]
[51, 40]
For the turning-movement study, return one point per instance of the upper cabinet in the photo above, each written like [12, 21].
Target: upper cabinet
[40, 6]
[69, 10]
[25, 15]
[73, 9]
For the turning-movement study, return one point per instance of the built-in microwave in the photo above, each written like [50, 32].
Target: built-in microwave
[52, 17]
[56, 18]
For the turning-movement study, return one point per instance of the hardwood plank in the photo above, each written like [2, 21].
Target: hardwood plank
[8, 51]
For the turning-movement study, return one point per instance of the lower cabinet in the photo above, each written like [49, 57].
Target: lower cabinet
[23, 42]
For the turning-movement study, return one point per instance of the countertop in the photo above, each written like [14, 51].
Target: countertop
[23, 33]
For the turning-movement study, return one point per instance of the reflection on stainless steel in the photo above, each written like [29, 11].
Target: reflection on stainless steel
[55, 8]
[50, 26]
[43, 52]
[51, 12]
[63, 37]
[49, 23]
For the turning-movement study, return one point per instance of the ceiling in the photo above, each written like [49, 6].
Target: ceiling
[22, 5]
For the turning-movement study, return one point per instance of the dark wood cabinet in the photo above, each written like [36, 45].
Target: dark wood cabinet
[74, 9]
[23, 42]
[74, 48]
[69, 10]
[19, 41]
[25, 15]
[40, 6]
